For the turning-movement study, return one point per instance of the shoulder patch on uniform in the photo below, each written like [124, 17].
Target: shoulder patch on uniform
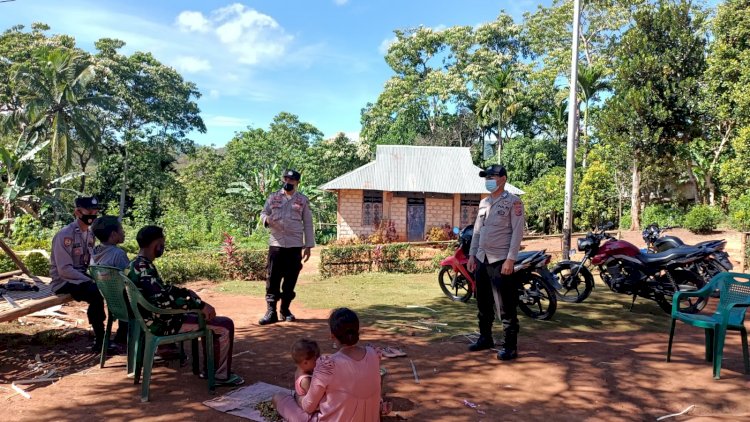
[67, 241]
[518, 208]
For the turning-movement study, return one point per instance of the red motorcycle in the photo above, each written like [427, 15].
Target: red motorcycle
[536, 292]
[626, 269]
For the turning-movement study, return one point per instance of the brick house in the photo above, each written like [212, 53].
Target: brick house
[415, 187]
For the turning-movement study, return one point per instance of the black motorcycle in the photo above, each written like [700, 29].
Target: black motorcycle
[625, 269]
[714, 263]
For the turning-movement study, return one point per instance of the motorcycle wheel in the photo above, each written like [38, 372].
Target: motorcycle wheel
[454, 284]
[538, 299]
[573, 289]
[687, 281]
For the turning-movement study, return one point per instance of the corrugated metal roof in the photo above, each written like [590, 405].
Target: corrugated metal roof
[399, 168]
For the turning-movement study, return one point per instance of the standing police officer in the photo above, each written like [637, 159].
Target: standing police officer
[287, 213]
[498, 231]
[71, 252]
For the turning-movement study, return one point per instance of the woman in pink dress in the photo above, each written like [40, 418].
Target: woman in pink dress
[345, 386]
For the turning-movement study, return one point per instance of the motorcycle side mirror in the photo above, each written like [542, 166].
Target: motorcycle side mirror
[455, 230]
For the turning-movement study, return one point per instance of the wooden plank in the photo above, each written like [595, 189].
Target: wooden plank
[8, 251]
[35, 306]
[10, 274]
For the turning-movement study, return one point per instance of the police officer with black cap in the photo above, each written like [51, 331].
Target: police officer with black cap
[498, 231]
[69, 262]
[287, 213]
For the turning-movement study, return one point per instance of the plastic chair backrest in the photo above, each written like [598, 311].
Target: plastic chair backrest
[733, 290]
[111, 287]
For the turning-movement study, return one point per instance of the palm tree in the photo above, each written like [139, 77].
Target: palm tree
[56, 104]
[591, 82]
[498, 103]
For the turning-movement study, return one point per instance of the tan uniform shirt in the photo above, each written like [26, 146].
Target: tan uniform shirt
[71, 253]
[498, 230]
[289, 219]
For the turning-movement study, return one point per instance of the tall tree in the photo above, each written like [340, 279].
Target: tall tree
[591, 82]
[498, 103]
[658, 68]
[728, 98]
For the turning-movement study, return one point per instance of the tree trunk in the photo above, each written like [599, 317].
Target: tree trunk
[124, 183]
[635, 196]
[711, 188]
[499, 145]
[697, 197]
[585, 140]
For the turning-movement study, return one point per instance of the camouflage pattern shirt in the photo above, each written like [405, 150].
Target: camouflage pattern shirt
[143, 274]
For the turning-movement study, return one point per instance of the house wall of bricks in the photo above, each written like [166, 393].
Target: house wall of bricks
[437, 213]
[349, 214]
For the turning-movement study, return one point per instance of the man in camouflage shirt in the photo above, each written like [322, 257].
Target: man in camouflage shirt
[144, 275]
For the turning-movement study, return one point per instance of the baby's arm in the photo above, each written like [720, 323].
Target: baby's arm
[305, 386]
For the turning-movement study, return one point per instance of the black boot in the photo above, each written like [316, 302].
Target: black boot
[285, 313]
[484, 342]
[509, 350]
[270, 317]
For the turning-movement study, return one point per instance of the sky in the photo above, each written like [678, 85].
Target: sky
[322, 60]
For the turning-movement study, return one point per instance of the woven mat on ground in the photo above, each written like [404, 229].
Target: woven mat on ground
[242, 401]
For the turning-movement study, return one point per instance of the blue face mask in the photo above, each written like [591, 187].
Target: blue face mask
[491, 185]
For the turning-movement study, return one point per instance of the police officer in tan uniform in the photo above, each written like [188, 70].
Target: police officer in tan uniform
[498, 231]
[287, 213]
[69, 262]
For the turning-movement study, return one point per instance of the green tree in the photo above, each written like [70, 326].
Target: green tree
[544, 200]
[728, 99]
[596, 196]
[658, 68]
[527, 159]
[591, 82]
[498, 103]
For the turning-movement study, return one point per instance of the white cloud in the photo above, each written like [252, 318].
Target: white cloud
[341, 2]
[189, 64]
[192, 21]
[250, 36]
[353, 136]
[214, 93]
[386, 44]
[226, 121]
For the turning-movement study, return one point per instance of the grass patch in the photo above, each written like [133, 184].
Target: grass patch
[383, 300]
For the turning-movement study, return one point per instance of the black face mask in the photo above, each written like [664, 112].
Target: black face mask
[87, 219]
[159, 251]
[288, 187]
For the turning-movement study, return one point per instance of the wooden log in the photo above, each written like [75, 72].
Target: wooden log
[35, 306]
[10, 274]
[14, 258]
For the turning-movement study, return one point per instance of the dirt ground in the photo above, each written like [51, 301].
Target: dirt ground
[561, 375]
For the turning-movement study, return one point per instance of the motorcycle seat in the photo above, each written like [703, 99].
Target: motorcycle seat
[523, 256]
[668, 255]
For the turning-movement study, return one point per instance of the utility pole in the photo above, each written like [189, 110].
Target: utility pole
[570, 160]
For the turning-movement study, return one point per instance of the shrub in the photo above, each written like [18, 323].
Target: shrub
[27, 229]
[395, 257]
[440, 233]
[626, 220]
[663, 215]
[6, 264]
[37, 264]
[385, 233]
[739, 213]
[180, 268]
[702, 219]
[242, 264]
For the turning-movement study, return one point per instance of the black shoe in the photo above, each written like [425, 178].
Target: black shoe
[483, 343]
[269, 318]
[288, 316]
[507, 354]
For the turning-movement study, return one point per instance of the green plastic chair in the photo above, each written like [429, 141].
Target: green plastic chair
[729, 315]
[147, 344]
[113, 290]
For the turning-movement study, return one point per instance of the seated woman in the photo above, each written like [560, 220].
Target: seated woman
[345, 386]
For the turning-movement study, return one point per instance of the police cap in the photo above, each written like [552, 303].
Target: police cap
[292, 174]
[493, 170]
[88, 202]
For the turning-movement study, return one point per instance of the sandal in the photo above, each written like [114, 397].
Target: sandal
[392, 352]
[233, 381]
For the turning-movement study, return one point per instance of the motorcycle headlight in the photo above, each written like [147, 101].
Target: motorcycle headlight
[584, 243]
